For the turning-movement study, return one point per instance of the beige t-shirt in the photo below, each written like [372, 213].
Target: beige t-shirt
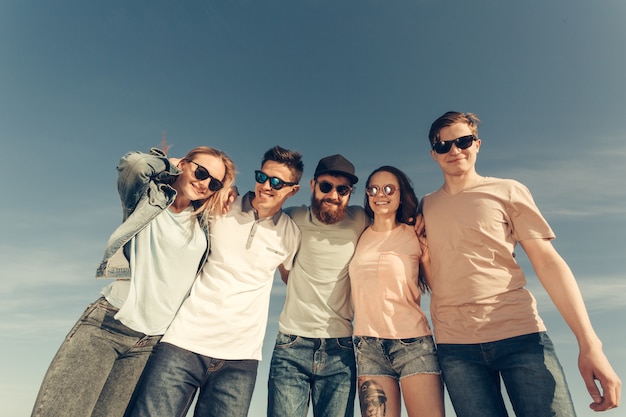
[383, 275]
[478, 292]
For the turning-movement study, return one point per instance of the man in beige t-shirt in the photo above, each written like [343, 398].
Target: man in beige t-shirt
[485, 321]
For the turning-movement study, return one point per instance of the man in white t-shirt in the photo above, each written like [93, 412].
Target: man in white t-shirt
[214, 343]
[485, 320]
[314, 356]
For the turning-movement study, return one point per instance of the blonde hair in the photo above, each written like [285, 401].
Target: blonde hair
[216, 204]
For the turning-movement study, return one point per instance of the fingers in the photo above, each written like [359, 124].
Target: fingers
[419, 225]
[593, 390]
[606, 398]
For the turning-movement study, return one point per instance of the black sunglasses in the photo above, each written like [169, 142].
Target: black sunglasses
[275, 182]
[463, 142]
[374, 190]
[326, 187]
[202, 174]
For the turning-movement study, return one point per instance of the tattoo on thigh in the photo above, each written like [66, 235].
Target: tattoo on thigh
[373, 399]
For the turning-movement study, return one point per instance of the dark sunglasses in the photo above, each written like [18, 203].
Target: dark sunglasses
[463, 142]
[202, 174]
[275, 182]
[327, 187]
[374, 190]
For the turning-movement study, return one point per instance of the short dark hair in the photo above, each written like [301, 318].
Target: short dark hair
[450, 118]
[293, 160]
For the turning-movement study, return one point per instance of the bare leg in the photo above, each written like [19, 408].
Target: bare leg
[379, 396]
[423, 395]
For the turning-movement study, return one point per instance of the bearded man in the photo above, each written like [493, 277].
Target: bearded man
[314, 355]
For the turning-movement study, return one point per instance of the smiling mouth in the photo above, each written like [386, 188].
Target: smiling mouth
[200, 190]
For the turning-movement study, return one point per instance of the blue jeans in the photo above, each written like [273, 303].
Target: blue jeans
[173, 375]
[96, 368]
[321, 369]
[528, 366]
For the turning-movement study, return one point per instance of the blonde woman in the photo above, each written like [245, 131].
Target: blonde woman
[154, 256]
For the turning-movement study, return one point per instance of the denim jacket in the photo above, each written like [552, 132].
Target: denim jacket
[143, 184]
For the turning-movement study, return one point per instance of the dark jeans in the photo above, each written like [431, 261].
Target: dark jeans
[323, 370]
[173, 375]
[528, 366]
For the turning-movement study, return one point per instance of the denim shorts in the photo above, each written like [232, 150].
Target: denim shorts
[396, 358]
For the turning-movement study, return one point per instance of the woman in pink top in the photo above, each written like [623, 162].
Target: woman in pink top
[395, 351]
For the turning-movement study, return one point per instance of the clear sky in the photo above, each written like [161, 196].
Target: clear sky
[81, 83]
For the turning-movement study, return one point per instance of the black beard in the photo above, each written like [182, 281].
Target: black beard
[327, 216]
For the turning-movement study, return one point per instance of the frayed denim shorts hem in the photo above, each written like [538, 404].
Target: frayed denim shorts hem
[396, 358]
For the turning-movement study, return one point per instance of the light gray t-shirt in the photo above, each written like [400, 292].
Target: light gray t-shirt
[318, 302]
[164, 261]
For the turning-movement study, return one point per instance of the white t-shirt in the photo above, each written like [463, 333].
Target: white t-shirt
[164, 260]
[226, 313]
[318, 303]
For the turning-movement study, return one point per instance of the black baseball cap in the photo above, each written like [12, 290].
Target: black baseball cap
[336, 165]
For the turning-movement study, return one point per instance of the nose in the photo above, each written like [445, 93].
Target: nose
[454, 150]
[266, 184]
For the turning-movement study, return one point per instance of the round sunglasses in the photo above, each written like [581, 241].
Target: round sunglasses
[326, 187]
[275, 182]
[201, 173]
[374, 190]
[463, 142]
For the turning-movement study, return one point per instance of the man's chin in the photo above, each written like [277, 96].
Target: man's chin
[333, 215]
[328, 212]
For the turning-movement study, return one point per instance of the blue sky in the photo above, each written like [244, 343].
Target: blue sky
[81, 83]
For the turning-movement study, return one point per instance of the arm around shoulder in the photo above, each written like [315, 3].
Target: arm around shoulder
[284, 273]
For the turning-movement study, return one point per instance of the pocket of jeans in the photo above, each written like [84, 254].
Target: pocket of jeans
[345, 343]
[285, 340]
[426, 342]
[410, 341]
[83, 318]
[103, 304]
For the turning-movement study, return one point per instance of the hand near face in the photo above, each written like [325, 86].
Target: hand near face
[232, 194]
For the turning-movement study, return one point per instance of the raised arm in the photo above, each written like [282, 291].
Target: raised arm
[136, 170]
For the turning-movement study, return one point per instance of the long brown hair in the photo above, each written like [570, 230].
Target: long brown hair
[408, 199]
